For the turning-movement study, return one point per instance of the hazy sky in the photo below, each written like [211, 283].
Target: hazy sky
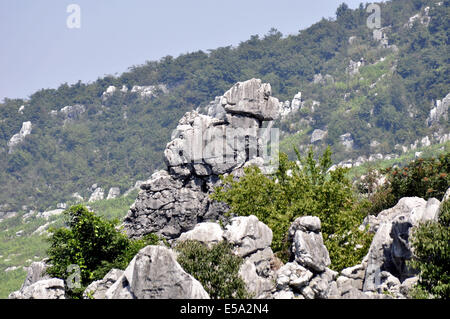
[38, 50]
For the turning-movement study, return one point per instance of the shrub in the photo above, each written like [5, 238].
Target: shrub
[300, 190]
[431, 246]
[424, 178]
[216, 268]
[91, 243]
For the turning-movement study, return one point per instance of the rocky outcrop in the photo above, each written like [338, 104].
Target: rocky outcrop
[44, 289]
[18, 138]
[290, 107]
[390, 248]
[38, 285]
[114, 192]
[307, 244]
[248, 235]
[203, 147]
[149, 90]
[439, 111]
[72, 112]
[318, 135]
[307, 276]
[98, 288]
[154, 273]
[206, 233]
[347, 141]
[98, 194]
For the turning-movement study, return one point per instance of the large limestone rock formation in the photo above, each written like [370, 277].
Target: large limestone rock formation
[390, 248]
[203, 147]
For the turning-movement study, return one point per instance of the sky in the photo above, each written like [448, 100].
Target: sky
[41, 48]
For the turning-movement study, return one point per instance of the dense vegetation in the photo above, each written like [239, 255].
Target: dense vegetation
[431, 244]
[92, 244]
[216, 268]
[303, 188]
[120, 139]
[423, 177]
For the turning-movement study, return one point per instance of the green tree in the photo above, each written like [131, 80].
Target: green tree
[431, 246]
[91, 243]
[310, 188]
[216, 268]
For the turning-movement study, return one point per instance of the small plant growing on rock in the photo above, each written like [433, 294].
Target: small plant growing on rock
[216, 268]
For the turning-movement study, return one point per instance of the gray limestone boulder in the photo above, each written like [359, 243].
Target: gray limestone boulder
[252, 98]
[248, 235]
[390, 247]
[52, 288]
[308, 248]
[97, 289]
[207, 233]
[154, 273]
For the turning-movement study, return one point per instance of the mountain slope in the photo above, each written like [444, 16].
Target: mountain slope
[112, 132]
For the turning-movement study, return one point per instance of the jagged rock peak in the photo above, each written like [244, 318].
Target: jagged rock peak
[202, 147]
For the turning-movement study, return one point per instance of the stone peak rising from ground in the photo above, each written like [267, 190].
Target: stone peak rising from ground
[202, 147]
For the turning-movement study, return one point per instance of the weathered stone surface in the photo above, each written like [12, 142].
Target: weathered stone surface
[50, 213]
[439, 111]
[307, 243]
[390, 248]
[114, 192]
[18, 138]
[347, 141]
[202, 147]
[154, 273]
[36, 272]
[98, 288]
[293, 275]
[263, 260]
[318, 135]
[207, 233]
[252, 98]
[321, 284]
[256, 285]
[407, 285]
[43, 289]
[72, 112]
[248, 235]
[98, 194]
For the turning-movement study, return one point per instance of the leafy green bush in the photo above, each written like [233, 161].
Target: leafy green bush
[431, 246]
[423, 178]
[216, 268]
[300, 190]
[93, 244]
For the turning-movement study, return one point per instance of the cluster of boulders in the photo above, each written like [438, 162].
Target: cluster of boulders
[145, 91]
[175, 204]
[155, 273]
[38, 285]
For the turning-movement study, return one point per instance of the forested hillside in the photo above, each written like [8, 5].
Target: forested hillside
[368, 94]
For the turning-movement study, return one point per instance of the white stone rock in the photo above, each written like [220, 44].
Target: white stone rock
[248, 235]
[98, 194]
[114, 192]
[18, 138]
[207, 233]
[154, 273]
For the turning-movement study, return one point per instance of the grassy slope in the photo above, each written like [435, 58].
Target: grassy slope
[21, 251]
